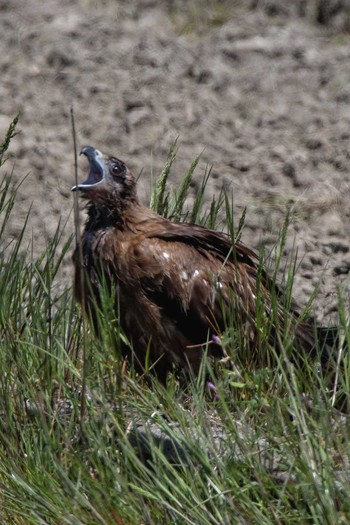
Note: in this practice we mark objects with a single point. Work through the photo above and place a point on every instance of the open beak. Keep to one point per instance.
(96, 173)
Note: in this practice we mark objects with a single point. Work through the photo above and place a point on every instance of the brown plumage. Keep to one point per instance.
(176, 285)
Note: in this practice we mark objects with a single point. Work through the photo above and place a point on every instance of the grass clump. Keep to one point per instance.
(269, 449)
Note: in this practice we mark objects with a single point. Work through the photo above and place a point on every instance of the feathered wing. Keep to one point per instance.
(192, 282)
(208, 283)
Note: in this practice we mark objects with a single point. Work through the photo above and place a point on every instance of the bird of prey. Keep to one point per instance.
(175, 286)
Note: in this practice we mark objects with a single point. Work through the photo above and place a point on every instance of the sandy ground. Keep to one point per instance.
(261, 89)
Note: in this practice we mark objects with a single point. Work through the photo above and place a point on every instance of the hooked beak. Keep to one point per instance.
(96, 173)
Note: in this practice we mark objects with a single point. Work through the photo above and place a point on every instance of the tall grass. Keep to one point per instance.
(269, 449)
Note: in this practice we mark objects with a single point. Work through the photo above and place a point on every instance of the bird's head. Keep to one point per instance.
(109, 181)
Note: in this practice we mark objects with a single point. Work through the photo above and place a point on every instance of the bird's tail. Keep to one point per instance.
(326, 340)
(321, 342)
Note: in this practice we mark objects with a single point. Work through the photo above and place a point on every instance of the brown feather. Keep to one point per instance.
(174, 283)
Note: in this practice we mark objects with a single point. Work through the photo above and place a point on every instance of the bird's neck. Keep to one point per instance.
(119, 217)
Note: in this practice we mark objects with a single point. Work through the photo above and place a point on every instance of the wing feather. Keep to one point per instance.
(193, 276)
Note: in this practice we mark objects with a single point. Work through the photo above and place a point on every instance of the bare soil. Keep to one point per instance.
(260, 89)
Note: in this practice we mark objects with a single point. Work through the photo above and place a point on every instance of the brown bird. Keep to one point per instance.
(176, 286)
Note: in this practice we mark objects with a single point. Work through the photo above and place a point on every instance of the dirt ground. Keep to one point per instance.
(261, 89)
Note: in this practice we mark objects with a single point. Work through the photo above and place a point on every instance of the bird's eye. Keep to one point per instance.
(116, 170)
